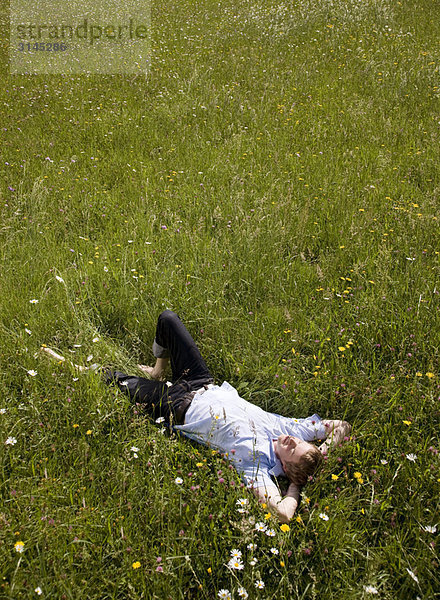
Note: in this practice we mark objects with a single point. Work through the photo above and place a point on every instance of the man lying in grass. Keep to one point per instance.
(260, 445)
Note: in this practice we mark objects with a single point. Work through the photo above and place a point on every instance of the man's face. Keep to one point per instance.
(289, 449)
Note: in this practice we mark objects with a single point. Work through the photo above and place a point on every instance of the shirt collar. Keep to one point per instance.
(277, 469)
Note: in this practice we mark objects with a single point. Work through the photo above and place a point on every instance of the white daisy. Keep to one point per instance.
(242, 502)
(236, 563)
(58, 278)
(34, 301)
(252, 546)
(323, 516)
(260, 526)
(253, 562)
(160, 420)
(178, 480)
(134, 449)
(28, 331)
(236, 553)
(32, 373)
(224, 595)
(369, 589)
(270, 532)
(11, 441)
(259, 584)
(38, 591)
(412, 457)
(275, 551)
(430, 528)
(242, 593)
(383, 461)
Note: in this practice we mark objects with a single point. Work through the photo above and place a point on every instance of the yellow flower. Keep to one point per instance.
(307, 500)
(360, 480)
(341, 348)
(284, 527)
(76, 425)
(419, 374)
(430, 375)
(136, 565)
(209, 570)
(357, 474)
(335, 477)
(281, 563)
(89, 432)
(19, 546)
(264, 505)
(298, 519)
(267, 516)
(199, 464)
(407, 422)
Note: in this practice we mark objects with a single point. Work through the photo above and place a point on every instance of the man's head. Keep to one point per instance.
(298, 458)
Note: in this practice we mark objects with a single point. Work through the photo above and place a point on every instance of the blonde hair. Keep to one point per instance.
(299, 472)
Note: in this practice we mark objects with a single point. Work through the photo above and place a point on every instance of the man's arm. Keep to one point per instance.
(283, 508)
(336, 431)
(158, 370)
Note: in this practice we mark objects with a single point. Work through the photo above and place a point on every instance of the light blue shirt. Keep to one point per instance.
(222, 420)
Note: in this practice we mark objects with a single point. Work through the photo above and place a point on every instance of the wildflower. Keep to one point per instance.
(284, 527)
(412, 457)
(160, 419)
(95, 339)
(159, 569)
(430, 528)
(136, 565)
(19, 546)
(383, 461)
(89, 432)
(341, 348)
(298, 519)
(235, 553)
(430, 375)
(34, 301)
(28, 331)
(407, 423)
(357, 474)
(252, 546)
(224, 595)
(58, 278)
(323, 516)
(253, 562)
(411, 574)
(242, 593)
(335, 477)
(11, 441)
(282, 564)
(259, 584)
(134, 449)
(267, 516)
(2, 411)
(369, 589)
(242, 502)
(38, 591)
(209, 570)
(199, 464)
(275, 551)
(236, 563)
(260, 526)
(178, 480)
(32, 373)
(75, 425)
(270, 532)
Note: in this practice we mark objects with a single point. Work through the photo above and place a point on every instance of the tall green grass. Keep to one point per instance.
(275, 181)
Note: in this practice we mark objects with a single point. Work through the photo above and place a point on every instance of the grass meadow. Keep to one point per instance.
(275, 181)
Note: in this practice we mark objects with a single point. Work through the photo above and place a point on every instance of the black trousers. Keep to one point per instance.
(189, 372)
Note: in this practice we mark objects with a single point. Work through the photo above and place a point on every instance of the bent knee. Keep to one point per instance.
(168, 315)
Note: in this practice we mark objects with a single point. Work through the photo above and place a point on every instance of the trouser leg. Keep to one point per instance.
(173, 340)
(153, 395)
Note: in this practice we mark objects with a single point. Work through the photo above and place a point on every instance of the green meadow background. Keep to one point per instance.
(275, 181)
